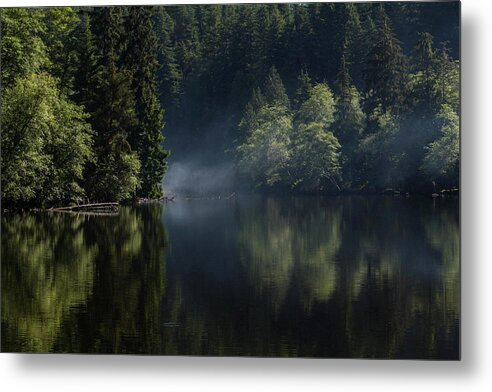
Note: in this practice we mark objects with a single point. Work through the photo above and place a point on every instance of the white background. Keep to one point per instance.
(473, 373)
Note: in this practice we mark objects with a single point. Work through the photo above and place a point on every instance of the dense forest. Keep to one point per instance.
(320, 97)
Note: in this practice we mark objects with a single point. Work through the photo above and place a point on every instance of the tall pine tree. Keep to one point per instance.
(169, 73)
(386, 74)
(114, 174)
(145, 136)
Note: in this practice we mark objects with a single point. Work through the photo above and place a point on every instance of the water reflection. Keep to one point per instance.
(47, 269)
(76, 283)
(364, 277)
(285, 239)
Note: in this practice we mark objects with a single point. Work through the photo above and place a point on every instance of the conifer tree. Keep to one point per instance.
(114, 174)
(349, 115)
(169, 74)
(274, 89)
(354, 47)
(385, 75)
(187, 36)
(447, 71)
(145, 136)
(300, 41)
(304, 88)
(424, 79)
(251, 112)
(349, 121)
(86, 64)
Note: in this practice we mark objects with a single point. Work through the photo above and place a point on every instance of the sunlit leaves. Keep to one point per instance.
(46, 142)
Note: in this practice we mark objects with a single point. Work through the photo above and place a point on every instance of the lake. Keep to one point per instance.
(342, 277)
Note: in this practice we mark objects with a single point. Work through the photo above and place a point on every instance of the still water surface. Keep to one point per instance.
(357, 277)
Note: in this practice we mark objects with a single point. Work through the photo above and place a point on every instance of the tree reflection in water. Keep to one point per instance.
(361, 277)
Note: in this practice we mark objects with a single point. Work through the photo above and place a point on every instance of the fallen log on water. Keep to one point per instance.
(159, 200)
(167, 198)
(90, 213)
(110, 206)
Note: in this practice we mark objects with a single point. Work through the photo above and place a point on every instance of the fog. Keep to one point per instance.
(192, 177)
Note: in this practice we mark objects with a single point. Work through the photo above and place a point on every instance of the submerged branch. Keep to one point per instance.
(113, 206)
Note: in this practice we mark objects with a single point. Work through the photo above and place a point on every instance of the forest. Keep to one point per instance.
(322, 98)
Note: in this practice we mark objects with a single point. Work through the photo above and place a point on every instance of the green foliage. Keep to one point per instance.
(380, 163)
(59, 37)
(350, 121)
(121, 65)
(23, 50)
(315, 160)
(281, 153)
(265, 154)
(423, 52)
(55, 55)
(114, 174)
(318, 108)
(274, 90)
(385, 74)
(251, 111)
(442, 155)
(169, 72)
(363, 50)
(315, 157)
(46, 143)
(84, 77)
(145, 137)
(448, 79)
(304, 88)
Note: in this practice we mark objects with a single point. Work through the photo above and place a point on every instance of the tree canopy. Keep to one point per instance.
(327, 97)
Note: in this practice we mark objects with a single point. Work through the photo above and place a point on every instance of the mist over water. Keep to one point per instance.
(191, 177)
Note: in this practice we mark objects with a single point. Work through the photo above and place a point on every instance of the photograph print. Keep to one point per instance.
(262, 180)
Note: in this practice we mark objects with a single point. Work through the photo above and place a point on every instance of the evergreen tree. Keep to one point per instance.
(210, 26)
(423, 79)
(354, 47)
(251, 112)
(187, 36)
(169, 74)
(386, 74)
(349, 116)
(116, 68)
(447, 71)
(326, 26)
(84, 77)
(300, 41)
(114, 174)
(424, 53)
(145, 137)
(304, 88)
(274, 89)
(59, 37)
(349, 121)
